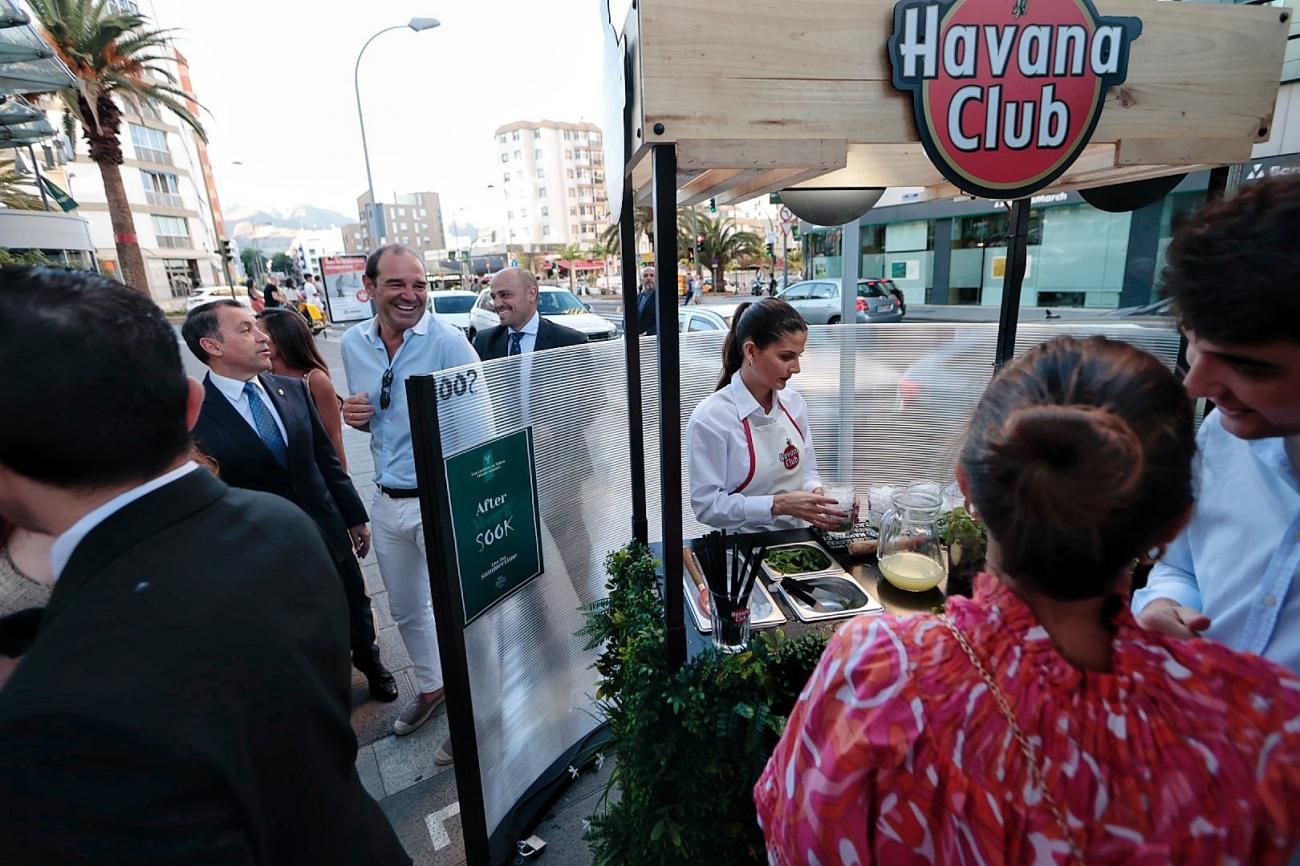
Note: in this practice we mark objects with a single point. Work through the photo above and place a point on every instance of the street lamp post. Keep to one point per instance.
(510, 231)
(416, 24)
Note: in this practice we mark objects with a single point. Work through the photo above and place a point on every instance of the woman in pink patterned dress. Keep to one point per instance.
(1036, 723)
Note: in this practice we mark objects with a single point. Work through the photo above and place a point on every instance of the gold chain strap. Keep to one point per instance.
(1035, 769)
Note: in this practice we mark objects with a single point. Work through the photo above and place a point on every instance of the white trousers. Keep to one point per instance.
(398, 536)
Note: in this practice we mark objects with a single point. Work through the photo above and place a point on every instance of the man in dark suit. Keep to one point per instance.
(522, 329)
(186, 698)
(265, 434)
(647, 317)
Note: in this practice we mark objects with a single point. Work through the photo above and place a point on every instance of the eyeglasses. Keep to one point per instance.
(386, 392)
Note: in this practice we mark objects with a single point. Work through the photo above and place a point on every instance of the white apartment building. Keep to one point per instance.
(553, 175)
(413, 219)
(308, 247)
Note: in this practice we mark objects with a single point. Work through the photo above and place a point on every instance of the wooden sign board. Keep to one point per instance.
(762, 95)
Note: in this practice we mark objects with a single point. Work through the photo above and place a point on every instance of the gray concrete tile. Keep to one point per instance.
(379, 604)
(372, 720)
(391, 648)
(406, 761)
(368, 770)
(409, 812)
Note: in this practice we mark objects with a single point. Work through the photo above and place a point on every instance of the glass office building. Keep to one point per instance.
(953, 251)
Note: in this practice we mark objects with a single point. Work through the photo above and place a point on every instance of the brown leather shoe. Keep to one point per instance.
(419, 711)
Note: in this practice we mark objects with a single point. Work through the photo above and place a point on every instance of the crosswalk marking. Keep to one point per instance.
(436, 824)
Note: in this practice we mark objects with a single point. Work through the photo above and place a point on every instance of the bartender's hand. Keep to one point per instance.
(1169, 617)
(809, 505)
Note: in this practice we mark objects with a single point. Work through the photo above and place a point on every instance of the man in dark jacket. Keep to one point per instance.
(647, 317)
(186, 698)
(265, 434)
(515, 296)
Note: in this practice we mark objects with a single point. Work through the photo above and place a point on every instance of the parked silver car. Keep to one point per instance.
(818, 301)
(691, 319)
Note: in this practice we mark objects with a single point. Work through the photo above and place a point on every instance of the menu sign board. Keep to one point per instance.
(494, 515)
(1006, 93)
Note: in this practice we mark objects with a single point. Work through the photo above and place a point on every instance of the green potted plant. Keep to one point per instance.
(690, 744)
(967, 541)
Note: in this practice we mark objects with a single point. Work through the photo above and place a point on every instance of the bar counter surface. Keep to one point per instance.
(863, 569)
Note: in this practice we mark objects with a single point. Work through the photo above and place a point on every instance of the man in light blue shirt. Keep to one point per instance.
(404, 340)
(1232, 575)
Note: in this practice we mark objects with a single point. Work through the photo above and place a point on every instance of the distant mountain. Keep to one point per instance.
(240, 221)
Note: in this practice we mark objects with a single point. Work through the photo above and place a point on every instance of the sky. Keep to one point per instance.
(276, 78)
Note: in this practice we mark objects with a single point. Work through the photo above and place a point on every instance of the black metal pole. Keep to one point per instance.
(664, 157)
(632, 354)
(1017, 256)
(440, 552)
(36, 170)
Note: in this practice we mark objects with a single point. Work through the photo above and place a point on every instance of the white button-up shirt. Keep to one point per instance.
(719, 461)
(1238, 560)
(233, 390)
(431, 346)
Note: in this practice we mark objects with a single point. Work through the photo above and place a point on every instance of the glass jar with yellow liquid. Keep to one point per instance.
(911, 553)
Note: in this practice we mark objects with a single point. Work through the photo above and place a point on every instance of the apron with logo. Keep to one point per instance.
(776, 461)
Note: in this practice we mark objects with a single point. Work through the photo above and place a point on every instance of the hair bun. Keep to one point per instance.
(1071, 465)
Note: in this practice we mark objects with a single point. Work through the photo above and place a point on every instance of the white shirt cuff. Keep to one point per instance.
(758, 509)
(1176, 591)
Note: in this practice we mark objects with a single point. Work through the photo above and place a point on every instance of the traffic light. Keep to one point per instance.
(794, 232)
(227, 252)
(713, 205)
(699, 239)
(771, 251)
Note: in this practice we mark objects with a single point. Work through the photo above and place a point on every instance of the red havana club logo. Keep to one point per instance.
(790, 456)
(1007, 92)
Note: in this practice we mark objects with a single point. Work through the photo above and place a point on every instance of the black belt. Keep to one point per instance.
(394, 493)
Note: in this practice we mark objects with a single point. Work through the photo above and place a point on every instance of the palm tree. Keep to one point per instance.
(644, 220)
(572, 253)
(720, 242)
(113, 56)
(12, 196)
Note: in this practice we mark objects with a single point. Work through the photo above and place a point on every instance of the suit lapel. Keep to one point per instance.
(218, 409)
(545, 336)
(138, 521)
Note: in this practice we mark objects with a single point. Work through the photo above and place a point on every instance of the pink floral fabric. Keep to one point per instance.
(1185, 752)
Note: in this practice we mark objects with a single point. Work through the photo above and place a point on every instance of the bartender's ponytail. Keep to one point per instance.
(760, 322)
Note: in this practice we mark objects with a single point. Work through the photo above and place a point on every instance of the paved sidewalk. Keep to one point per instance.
(418, 797)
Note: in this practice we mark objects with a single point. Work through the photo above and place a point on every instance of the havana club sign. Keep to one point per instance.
(1006, 93)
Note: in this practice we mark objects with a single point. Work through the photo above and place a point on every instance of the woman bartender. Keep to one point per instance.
(749, 446)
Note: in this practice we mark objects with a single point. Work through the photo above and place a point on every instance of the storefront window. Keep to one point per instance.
(1179, 207)
(182, 275)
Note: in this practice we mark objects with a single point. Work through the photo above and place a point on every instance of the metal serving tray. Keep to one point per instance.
(807, 613)
(775, 576)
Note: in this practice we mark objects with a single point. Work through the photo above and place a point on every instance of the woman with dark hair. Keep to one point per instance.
(254, 296)
(749, 445)
(1036, 722)
(294, 354)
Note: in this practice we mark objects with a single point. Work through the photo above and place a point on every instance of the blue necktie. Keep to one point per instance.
(266, 427)
(516, 337)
